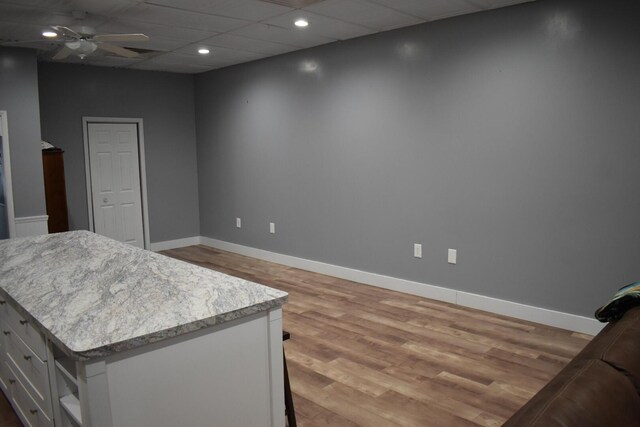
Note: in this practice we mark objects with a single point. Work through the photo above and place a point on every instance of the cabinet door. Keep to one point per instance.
(55, 190)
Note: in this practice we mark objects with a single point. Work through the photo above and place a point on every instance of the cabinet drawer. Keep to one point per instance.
(31, 336)
(4, 309)
(3, 327)
(28, 411)
(4, 378)
(31, 371)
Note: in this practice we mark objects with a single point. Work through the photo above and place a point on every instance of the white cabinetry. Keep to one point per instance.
(96, 333)
(24, 371)
(225, 375)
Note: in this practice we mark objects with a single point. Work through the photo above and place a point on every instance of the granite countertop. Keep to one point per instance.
(94, 296)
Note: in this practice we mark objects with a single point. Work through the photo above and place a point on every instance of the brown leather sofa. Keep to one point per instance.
(600, 387)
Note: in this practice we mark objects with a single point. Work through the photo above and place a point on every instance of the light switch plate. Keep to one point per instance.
(272, 227)
(453, 256)
(238, 223)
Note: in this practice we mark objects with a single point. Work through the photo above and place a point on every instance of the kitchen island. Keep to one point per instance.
(99, 333)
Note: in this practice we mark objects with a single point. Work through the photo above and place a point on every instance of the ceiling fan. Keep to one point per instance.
(83, 41)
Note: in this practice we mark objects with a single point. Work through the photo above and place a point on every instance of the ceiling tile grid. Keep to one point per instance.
(364, 13)
(241, 43)
(234, 31)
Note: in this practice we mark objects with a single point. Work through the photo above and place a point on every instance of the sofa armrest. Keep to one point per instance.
(587, 393)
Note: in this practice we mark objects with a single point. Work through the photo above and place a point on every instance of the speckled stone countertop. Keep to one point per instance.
(93, 296)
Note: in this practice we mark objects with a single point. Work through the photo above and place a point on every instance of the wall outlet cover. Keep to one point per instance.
(417, 250)
(453, 256)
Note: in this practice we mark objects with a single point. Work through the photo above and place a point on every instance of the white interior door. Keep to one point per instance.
(115, 181)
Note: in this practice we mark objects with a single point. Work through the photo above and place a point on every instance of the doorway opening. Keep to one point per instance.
(7, 213)
(116, 179)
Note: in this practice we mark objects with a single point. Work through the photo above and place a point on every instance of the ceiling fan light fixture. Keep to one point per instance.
(82, 47)
(49, 34)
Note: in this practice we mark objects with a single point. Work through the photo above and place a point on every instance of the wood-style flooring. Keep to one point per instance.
(364, 356)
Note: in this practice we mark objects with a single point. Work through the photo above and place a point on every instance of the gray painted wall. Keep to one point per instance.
(165, 102)
(510, 135)
(19, 97)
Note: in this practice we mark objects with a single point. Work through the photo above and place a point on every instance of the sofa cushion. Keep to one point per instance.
(587, 393)
(619, 345)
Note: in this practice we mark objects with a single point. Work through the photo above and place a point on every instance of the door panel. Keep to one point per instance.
(115, 181)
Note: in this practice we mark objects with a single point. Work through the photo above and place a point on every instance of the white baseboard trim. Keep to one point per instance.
(572, 322)
(543, 316)
(32, 225)
(172, 244)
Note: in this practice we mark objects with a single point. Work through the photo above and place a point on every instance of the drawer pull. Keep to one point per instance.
(33, 411)
(27, 357)
(24, 322)
(6, 332)
(12, 382)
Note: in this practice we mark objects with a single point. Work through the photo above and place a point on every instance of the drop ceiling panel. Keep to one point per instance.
(492, 4)
(16, 13)
(363, 13)
(14, 31)
(232, 41)
(320, 26)
(42, 17)
(173, 68)
(109, 61)
(221, 54)
(249, 10)
(96, 7)
(430, 9)
(157, 43)
(29, 3)
(180, 18)
(155, 31)
(235, 31)
(281, 35)
(175, 58)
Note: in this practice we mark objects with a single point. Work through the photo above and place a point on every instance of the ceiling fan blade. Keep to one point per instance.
(66, 31)
(127, 53)
(120, 38)
(62, 53)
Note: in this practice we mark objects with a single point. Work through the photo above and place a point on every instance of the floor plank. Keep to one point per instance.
(363, 356)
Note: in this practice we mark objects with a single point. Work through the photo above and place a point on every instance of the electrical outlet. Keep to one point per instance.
(417, 250)
(238, 223)
(453, 256)
(272, 227)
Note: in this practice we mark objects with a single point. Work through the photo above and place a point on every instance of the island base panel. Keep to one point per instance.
(227, 375)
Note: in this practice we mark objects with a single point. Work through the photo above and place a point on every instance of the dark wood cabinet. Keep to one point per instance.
(55, 190)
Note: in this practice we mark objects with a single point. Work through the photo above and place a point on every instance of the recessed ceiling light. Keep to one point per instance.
(301, 23)
(49, 34)
(203, 51)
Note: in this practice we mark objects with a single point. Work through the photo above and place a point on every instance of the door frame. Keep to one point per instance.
(6, 159)
(141, 159)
